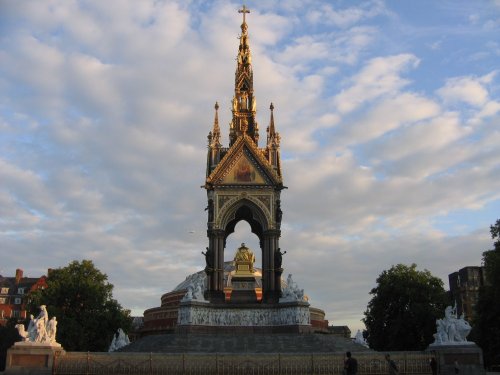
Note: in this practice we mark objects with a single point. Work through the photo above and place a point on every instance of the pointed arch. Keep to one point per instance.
(246, 209)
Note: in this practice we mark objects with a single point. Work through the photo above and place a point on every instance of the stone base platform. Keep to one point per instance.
(32, 358)
(468, 356)
(244, 343)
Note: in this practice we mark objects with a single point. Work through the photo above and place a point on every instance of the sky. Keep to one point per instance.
(389, 115)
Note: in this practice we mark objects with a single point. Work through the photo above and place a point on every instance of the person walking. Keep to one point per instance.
(350, 364)
(434, 366)
(393, 369)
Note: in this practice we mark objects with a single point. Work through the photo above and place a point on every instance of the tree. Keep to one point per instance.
(81, 299)
(8, 336)
(487, 322)
(403, 311)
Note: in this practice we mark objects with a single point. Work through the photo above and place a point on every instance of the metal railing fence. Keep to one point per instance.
(77, 363)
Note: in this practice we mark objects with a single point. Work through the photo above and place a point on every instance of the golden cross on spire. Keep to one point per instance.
(244, 10)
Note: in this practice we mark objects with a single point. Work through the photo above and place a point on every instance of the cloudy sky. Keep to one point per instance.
(389, 114)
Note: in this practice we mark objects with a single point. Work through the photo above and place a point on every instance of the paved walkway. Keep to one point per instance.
(243, 343)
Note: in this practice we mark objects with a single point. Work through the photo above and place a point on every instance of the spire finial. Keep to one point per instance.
(244, 10)
(215, 133)
(272, 131)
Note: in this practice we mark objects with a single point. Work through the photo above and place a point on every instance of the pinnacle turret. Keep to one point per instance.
(244, 103)
(273, 142)
(215, 140)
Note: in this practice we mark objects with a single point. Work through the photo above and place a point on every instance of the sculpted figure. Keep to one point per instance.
(210, 209)
(278, 258)
(359, 339)
(198, 293)
(451, 329)
(24, 334)
(51, 330)
(292, 292)
(41, 332)
(244, 100)
(43, 315)
(279, 213)
(244, 254)
(189, 294)
(120, 339)
(208, 258)
(32, 328)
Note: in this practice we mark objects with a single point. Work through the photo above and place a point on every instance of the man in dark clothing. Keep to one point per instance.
(350, 365)
(393, 369)
(434, 366)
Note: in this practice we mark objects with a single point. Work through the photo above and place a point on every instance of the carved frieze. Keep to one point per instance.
(205, 315)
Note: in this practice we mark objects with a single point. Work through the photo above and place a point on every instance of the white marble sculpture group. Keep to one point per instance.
(40, 330)
(451, 330)
(120, 339)
(195, 289)
(292, 292)
(359, 339)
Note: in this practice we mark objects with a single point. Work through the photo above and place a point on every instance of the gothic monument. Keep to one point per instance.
(244, 182)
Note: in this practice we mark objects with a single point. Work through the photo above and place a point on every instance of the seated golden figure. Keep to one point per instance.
(244, 260)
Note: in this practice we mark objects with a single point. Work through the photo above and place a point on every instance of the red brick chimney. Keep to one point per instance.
(19, 275)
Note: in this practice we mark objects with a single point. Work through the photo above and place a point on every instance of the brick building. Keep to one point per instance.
(14, 292)
(464, 289)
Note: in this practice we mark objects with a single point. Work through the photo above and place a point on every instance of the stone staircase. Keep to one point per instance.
(243, 343)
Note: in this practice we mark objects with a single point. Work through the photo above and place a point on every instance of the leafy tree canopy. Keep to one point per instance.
(81, 299)
(403, 310)
(486, 328)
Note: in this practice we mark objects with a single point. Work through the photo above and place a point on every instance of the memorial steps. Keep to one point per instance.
(243, 343)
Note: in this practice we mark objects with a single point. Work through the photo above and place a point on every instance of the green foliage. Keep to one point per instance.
(81, 298)
(487, 323)
(403, 310)
(8, 336)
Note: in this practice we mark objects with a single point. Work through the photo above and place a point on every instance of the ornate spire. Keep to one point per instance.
(273, 142)
(244, 103)
(273, 138)
(215, 139)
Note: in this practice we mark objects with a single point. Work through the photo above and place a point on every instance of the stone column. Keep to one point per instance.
(215, 274)
(271, 287)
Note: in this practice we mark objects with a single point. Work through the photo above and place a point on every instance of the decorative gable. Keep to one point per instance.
(244, 171)
(244, 164)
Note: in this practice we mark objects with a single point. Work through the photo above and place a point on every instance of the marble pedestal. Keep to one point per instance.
(32, 358)
(469, 357)
(243, 289)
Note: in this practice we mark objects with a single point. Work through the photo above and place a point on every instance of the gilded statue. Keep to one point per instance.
(245, 255)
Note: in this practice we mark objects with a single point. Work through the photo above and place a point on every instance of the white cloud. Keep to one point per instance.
(379, 77)
(343, 18)
(469, 90)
